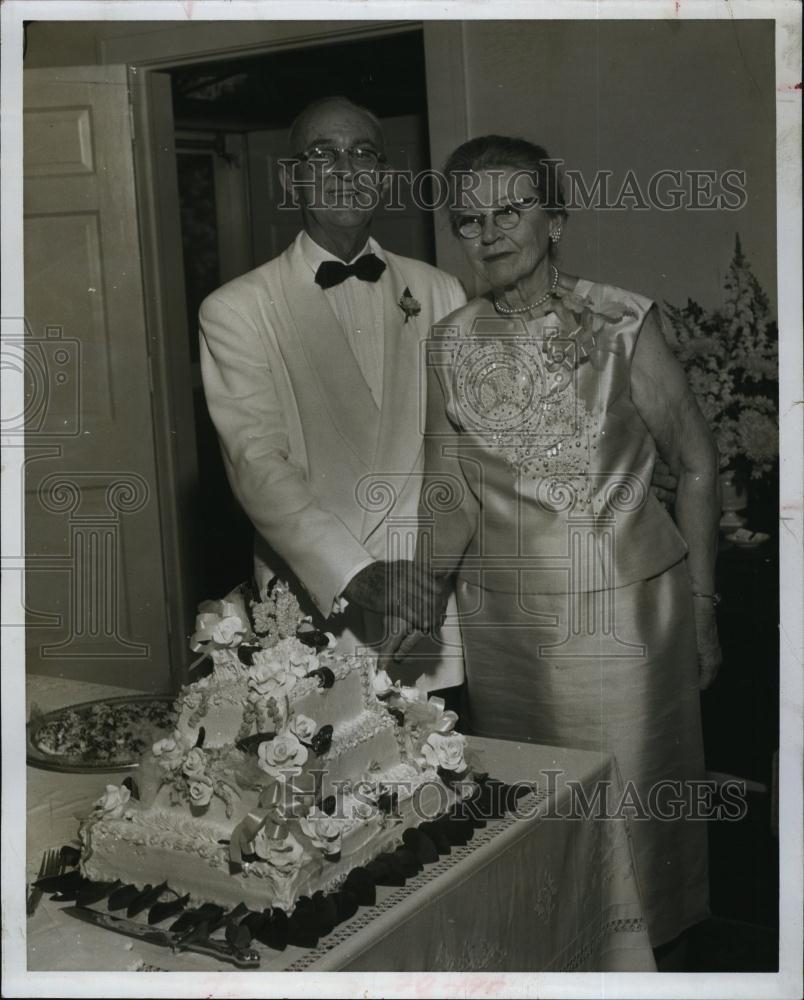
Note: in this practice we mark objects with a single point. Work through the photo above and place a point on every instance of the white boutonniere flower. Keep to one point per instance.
(409, 305)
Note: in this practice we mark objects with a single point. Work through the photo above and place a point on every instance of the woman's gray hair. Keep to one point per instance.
(488, 152)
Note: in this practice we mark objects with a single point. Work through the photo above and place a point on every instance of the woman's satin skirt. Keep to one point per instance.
(614, 671)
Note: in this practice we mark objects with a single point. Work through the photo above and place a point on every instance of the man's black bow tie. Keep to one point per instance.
(369, 267)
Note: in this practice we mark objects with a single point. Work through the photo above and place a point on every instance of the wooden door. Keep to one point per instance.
(95, 587)
(407, 230)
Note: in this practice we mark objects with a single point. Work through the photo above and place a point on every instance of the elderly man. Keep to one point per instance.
(311, 368)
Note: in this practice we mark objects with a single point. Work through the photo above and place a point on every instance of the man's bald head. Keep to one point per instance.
(314, 118)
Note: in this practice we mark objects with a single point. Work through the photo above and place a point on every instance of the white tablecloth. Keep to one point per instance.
(541, 892)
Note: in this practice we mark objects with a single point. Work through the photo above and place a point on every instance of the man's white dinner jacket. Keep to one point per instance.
(322, 472)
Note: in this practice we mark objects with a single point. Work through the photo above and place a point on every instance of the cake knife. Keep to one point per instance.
(244, 958)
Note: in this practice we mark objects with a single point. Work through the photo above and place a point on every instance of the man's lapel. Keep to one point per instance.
(339, 379)
(401, 422)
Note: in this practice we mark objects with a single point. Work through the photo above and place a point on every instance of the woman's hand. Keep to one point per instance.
(709, 653)
(664, 484)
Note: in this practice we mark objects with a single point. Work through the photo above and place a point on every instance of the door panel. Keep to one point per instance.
(272, 228)
(93, 538)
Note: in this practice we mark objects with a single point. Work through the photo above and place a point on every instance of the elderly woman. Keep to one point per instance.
(587, 614)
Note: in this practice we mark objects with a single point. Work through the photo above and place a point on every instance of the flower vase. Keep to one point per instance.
(733, 500)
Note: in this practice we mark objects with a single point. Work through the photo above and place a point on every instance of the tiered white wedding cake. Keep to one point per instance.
(288, 767)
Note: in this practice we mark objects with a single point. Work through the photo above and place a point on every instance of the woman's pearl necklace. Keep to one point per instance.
(514, 310)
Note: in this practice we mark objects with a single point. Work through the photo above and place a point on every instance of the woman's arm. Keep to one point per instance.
(448, 512)
(448, 509)
(665, 402)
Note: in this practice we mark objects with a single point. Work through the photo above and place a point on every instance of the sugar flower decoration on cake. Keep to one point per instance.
(282, 756)
(303, 727)
(445, 751)
(275, 672)
(427, 713)
(300, 658)
(356, 805)
(220, 624)
(324, 831)
(113, 802)
(169, 752)
(285, 854)
(409, 305)
(307, 630)
(200, 790)
(195, 696)
(194, 763)
(277, 617)
(193, 704)
(382, 684)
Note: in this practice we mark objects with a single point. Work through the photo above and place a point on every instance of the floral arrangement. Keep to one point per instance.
(731, 359)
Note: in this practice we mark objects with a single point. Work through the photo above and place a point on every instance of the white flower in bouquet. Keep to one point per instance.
(759, 436)
(282, 756)
(731, 360)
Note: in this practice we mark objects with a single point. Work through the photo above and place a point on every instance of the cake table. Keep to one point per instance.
(540, 891)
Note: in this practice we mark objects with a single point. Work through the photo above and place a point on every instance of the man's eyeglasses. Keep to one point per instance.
(325, 157)
(507, 217)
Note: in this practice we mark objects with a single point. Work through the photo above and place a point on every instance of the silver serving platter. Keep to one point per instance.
(36, 756)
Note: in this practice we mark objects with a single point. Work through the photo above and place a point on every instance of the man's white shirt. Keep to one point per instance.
(359, 308)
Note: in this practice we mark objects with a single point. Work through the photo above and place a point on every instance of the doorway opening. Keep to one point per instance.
(231, 120)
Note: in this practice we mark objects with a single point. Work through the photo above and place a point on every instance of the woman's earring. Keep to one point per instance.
(555, 235)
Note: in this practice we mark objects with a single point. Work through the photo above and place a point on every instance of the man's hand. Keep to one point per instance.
(400, 639)
(664, 484)
(401, 589)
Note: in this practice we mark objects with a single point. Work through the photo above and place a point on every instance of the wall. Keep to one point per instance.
(72, 43)
(644, 96)
(614, 95)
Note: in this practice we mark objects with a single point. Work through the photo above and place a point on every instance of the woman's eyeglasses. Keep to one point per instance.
(325, 157)
(507, 217)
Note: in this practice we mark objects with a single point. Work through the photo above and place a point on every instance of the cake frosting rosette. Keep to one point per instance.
(283, 755)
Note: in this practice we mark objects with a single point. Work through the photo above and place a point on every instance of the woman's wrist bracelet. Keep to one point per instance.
(714, 598)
